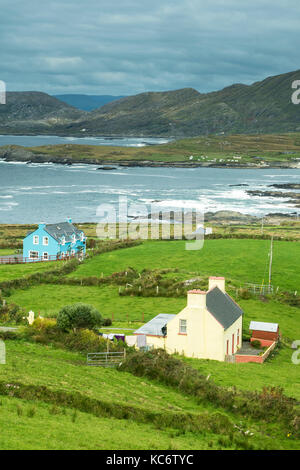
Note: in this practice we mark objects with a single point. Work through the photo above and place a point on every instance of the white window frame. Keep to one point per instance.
(74, 238)
(72, 252)
(36, 239)
(63, 240)
(33, 257)
(183, 326)
(82, 236)
(47, 256)
(45, 241)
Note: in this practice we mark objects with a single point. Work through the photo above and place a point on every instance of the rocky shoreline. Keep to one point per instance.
(14, 153)
(220, 217)
(293, 198)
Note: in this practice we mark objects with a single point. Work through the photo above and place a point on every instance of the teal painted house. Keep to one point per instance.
(54, 241)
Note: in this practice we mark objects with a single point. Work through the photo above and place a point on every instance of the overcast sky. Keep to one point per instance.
(123, 47)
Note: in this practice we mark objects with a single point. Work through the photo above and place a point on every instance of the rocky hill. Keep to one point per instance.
(31, 112)
(263, 107)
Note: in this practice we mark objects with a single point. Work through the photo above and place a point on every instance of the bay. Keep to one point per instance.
(37, 140)
(31, 193)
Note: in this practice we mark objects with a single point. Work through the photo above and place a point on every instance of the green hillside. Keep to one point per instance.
(260, 108)
(50, 399)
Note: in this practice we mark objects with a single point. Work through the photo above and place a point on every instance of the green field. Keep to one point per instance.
(48, 300)
(241, 260)
(31, 424)
(205, 149)
(16, 271)
(38, 423)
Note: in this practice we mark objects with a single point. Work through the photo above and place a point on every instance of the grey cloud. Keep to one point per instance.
(129, 46)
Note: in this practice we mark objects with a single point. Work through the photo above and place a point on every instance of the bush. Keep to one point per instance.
(256, 344)
(78, 315)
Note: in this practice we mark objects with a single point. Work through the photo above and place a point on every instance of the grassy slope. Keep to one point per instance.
(64, 430)
(65, 371)
(16, 271)
(48, 299)
(62, 370)
(241, 260)
(278, 371)
(35, 364)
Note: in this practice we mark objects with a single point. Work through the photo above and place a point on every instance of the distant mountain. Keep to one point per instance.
(263, 107)
(87, 102)
(32, 112)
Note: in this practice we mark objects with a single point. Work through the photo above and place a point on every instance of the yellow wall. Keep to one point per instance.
(156, 341)
(205, 338)
(228, 336)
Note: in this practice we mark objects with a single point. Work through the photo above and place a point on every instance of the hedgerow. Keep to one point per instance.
(270, 404)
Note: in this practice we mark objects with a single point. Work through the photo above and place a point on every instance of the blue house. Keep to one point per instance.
(54, 241)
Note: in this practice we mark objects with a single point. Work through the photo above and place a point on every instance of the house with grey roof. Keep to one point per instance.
(209, 327)
(54, 241)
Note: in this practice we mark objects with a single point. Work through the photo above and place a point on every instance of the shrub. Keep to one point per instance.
(78, 315)
(256, 344)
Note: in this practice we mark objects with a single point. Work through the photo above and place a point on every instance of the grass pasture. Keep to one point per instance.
(49, 299)
(55, 428)
(16, 271)
(35, 423)
(238, 259)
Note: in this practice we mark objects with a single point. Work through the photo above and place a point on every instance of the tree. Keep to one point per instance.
(78, 315)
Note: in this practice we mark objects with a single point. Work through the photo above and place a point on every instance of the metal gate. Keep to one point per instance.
(105, 359)
(260, 289)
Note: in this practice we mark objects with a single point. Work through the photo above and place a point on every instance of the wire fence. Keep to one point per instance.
(18, 259)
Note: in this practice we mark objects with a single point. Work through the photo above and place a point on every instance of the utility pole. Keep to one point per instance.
(271, 260)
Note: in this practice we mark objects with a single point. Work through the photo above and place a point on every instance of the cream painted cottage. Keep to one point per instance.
(209, 327)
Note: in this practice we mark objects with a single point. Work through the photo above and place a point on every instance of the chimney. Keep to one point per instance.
(196, 298)
(217, 282)
(69, 220)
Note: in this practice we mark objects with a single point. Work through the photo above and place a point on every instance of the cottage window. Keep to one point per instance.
(46, 241)
(36, 240)
(82, 236)
(63, 240)
(45, 256)
(33, 254)
(73, 238)
(238, 337)
(182, 326)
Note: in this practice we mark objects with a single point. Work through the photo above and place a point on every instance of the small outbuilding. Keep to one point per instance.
(264, 332)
